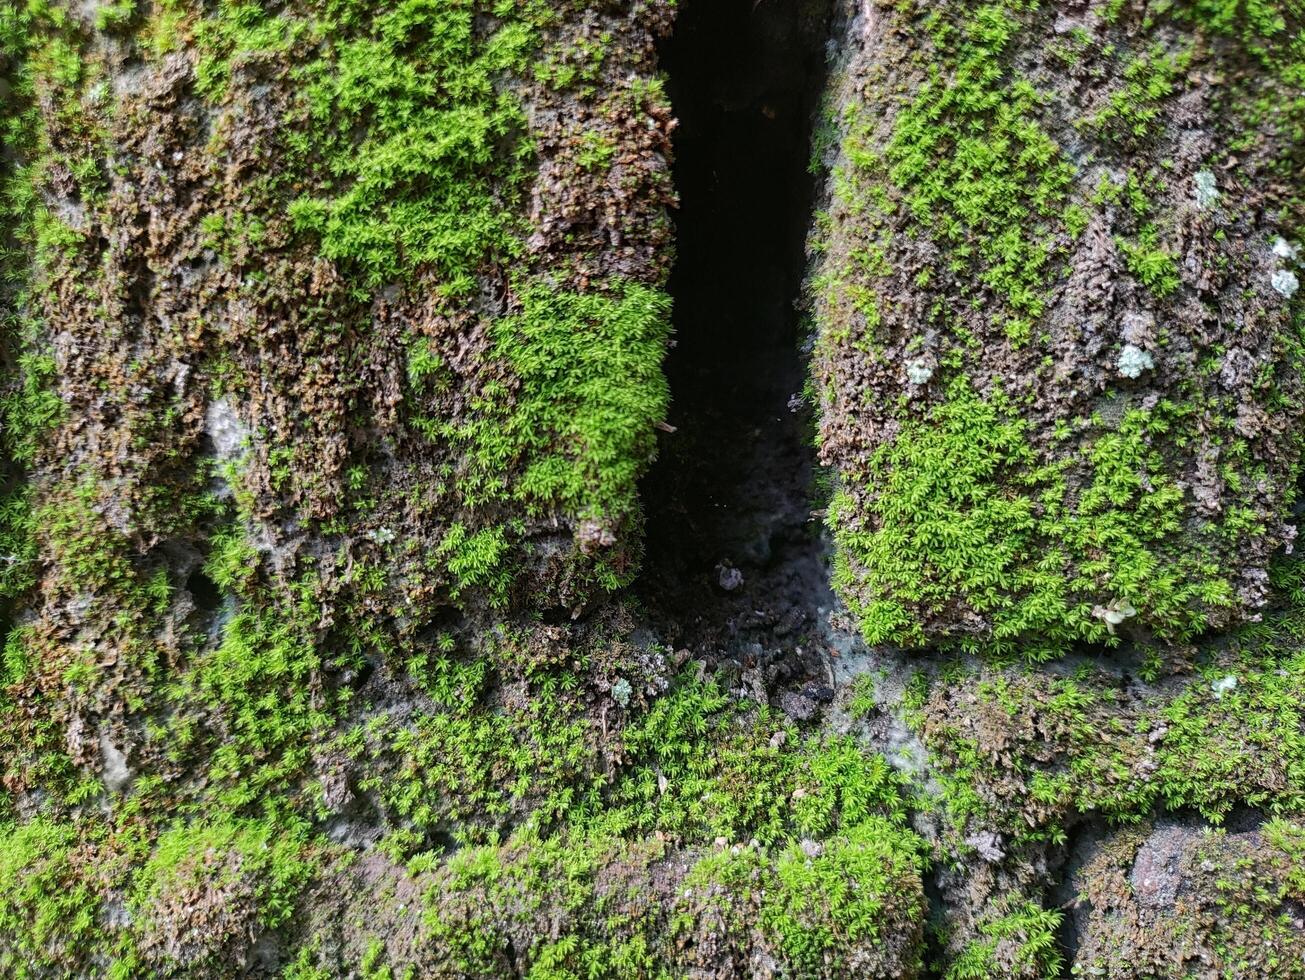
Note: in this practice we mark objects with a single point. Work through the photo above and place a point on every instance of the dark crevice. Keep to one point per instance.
(205, 592)
(731, 539)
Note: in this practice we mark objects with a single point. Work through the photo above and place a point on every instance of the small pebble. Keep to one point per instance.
(729, 577)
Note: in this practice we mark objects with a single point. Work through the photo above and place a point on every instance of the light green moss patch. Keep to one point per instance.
(1019, 943)
(821, 908)
(48, 910)
(964, 510)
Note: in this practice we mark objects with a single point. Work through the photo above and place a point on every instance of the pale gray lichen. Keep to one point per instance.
(382, 535)
(1223, 685)
(621, 692)
(1115, 613)
(1207, 191)
(1284, 249)
(918, 371)
(1133, 361)
(1285, 282)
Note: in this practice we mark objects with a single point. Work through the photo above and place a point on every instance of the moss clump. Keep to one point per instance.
(576, 422)
(1227, 735)
(552, 909)
(852, 904)
(964, 511)
(433, 180)
(1232, 916)
(972, 163)
(1244, 745)
(210, 887)
(700, 769)
(1019, 943)
(48, 909)
(1002, 482)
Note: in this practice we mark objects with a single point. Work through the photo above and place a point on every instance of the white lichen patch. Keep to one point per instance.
(1223, 685)
(1133, 361)
(229, 435)
(918, 371)
(621, 692)
(1284, 281)
(1207, 191)
(1114, 613)
(1284, 249)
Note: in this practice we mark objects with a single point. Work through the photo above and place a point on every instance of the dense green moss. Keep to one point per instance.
(1020, 942)
(434, 180)
(48, 905)
(1229, 735)
(964, 510)
(974, 166)
(246, 875)
(989, 491)
(824, 910)
(27, 405)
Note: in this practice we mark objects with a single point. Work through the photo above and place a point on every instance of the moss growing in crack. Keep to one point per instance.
(1227, 735)
(1019, 943)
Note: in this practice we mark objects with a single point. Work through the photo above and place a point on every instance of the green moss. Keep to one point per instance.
(431, 181)
(263, 863)
(589, 390)
(28, 406)
(1229, 735)
(560, 908)
(1154, 267)
(239, 28)
(861, 889)
(976, 171)
(465, 766)
(407, 158)
(1242, 746)
(1247, 886)
(1149, 80)
(48, 909)
(964, 509)
(700, 772)
(115, 16)
(1019, 943)
(477, 560)
(258, 682)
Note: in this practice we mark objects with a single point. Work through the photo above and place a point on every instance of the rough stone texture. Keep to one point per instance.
(1188, 900)
(1055, 377)
(332, 345)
